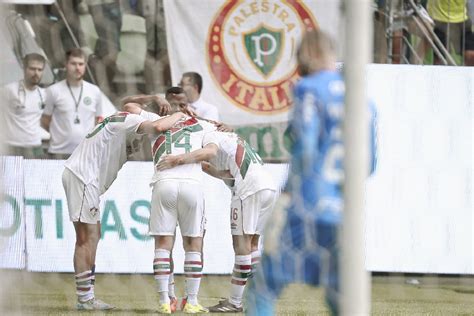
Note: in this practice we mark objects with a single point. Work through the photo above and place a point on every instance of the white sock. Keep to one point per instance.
(161, 270)
(171, 292)
(255, 260)
(193, 274)
(84, 290)
(242, 271)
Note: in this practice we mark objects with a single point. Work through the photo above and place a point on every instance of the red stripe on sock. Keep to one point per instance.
(193, 262)
(161, 273)
(162, 260)
(238, 282)
(84, 289)
(243, 266)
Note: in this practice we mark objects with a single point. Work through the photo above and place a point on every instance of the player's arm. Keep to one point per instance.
(224, 175)
(204, 154)
(142, 100)
(45, 121)
(161, 125)
(132, 107)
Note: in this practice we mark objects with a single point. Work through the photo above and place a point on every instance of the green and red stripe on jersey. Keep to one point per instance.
(164, 141)
(244, 156)
(117, 117)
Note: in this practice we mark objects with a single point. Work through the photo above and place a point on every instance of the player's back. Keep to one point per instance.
(243, 162)
(184, 137)
(317, 150)
(99, 157)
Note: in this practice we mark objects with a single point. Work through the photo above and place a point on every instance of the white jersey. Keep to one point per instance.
(22, 113)
(185, 136)
(245, 165)
(68, 126)
(101, 155)
(205, 110)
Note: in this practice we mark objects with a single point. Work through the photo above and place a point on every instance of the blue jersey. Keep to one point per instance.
(317, 151)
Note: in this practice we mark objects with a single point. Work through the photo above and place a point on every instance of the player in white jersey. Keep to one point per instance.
(89, 172)
(253, 197)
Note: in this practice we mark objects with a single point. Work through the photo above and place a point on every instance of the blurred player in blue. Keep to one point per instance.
(301, 244)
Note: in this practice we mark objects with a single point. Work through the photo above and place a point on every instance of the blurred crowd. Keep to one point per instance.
(107, 49)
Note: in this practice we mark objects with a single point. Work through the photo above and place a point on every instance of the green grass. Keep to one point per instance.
(25, 293)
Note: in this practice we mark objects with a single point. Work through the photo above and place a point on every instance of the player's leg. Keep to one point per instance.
(327, 224)
(277, 267)
(171, 284)
(265, 205)
(83, 202)
(191, 223)
(163, 219)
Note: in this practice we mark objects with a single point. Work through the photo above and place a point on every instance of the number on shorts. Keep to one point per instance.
(235, 214)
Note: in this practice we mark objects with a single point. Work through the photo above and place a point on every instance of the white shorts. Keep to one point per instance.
(82, 200)
(250, 215)
(174, 202)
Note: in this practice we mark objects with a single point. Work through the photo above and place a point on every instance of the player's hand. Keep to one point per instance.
(221, 127)
(163, 105)
(167, 162)
(189, 111)
(274, 228)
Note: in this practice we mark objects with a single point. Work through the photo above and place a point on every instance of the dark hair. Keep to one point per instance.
(75, 52)
(195, 79)
(173, 90)
(33, 56)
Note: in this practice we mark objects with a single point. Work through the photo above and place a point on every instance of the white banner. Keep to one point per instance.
(125, 246)
(420, 200)
(12, 223)
(244, 50)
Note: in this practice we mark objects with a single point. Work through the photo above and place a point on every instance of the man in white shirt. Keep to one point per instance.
(89, 172)
(191, 82)
(24, 101)
(73, 107)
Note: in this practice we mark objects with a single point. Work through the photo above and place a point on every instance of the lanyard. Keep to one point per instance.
(22, 89)
(76, 102)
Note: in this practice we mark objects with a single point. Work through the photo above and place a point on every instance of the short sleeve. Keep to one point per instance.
(210, 138)
(49, 102)
(132, 122)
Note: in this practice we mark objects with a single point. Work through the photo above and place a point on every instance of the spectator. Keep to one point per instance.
(191, 82)
(73, 107)
(107, 18)
(450, 18)
(23, 105)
